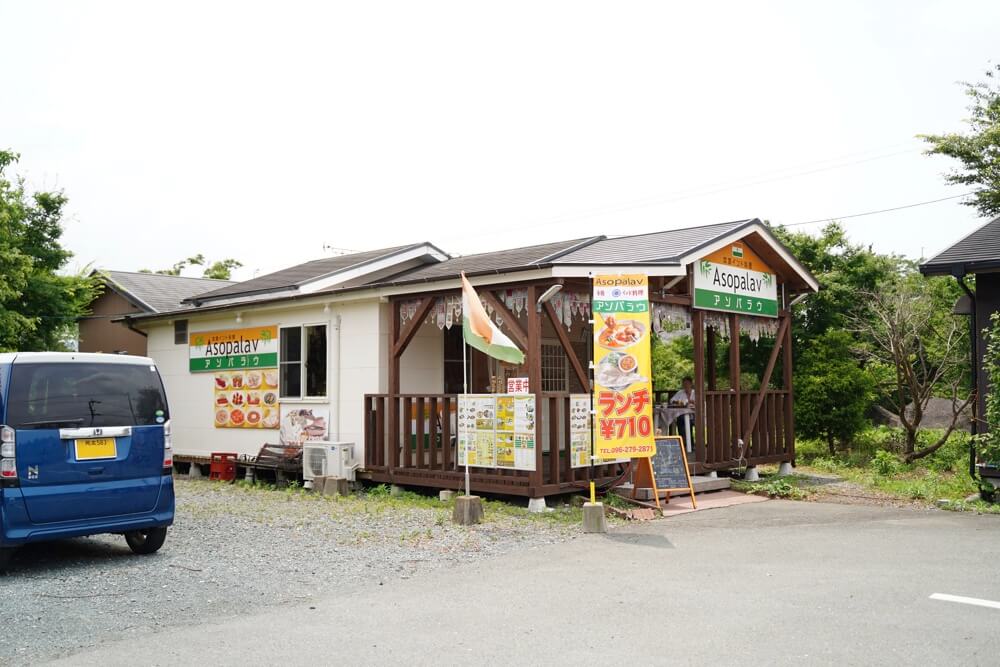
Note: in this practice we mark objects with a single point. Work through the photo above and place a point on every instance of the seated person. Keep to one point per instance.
(685, 397)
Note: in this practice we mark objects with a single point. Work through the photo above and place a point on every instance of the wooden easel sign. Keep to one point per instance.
(667, 470)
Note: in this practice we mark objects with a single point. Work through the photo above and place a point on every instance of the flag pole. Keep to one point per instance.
(465, 390)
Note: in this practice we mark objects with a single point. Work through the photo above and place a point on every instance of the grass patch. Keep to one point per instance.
(791, 487)
(379, 499)
(873, 461)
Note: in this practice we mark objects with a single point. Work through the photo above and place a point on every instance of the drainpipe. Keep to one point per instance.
(974, 373)
(335, 376)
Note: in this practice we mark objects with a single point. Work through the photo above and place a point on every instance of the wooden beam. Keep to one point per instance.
(712, 359)
(567, 346)
(734, 375)
(534, 359)
(766, 379)
(392, 438)
(698, 332)
(407, 334)
(786, 368)
(509, 319)
(675, 299)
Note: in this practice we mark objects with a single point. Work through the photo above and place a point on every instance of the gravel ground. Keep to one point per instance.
(233, 549)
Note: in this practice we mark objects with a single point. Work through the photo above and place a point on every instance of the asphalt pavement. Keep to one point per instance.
(773, 583)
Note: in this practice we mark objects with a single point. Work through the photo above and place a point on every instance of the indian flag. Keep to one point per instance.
(481, 333)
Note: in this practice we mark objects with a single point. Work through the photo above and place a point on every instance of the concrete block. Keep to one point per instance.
(593, 518)
(785, 468)
(751, 475)
(248, 475)
(316, 484)
(335, 486)
(536, 505)
(395, 490)
(194, 472)
(468, 510)
(713, 474)
(446, 495)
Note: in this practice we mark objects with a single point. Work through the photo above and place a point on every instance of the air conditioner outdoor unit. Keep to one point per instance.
(328, 459)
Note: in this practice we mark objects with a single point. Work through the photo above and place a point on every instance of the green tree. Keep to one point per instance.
(39, 306)
(843, 269)
(988, 443)
(219, 270)
(832, 393)
(978, 149)
(671, 362)
(222, 269)
(916, 349)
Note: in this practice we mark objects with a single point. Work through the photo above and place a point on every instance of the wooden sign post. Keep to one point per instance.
(666, 471)
(645, 476)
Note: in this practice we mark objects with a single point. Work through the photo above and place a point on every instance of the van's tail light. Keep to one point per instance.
(8, 449)
(168, 447)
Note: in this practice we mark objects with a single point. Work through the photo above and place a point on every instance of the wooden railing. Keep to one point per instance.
(771, 439)
(423, 451)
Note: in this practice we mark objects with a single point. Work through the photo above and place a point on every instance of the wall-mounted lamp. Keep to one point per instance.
(239, 318)
(546, 296)
(326, 308)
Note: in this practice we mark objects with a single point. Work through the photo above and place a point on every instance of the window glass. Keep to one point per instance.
(180, 332)
(290, 382)
(316, 360)
(89, 394)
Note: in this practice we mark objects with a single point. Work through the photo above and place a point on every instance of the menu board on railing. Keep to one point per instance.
(496, 431)
(580, 430)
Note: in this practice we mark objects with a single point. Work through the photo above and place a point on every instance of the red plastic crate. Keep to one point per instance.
(223, 466)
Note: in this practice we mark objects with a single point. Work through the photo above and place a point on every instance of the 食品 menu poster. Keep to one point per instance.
(496, 431)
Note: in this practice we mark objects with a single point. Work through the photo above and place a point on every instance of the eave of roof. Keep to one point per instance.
(292, 287)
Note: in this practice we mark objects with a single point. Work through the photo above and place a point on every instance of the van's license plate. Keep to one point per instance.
(89, 449)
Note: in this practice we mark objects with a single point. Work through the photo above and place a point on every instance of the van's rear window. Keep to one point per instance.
(84, 394)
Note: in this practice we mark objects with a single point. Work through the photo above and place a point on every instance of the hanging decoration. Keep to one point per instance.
(717, 321)
(756, 328)
(447, 310)
(671, 321)
(753, 328)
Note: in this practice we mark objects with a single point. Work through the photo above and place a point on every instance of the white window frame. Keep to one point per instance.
(302, 362)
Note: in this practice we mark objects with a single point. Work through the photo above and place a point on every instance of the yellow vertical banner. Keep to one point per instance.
(623, 393)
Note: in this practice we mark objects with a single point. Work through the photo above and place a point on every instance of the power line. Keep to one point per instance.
(703, 191)
(883, 210)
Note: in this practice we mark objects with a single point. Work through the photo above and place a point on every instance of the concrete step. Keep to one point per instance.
(701, 484)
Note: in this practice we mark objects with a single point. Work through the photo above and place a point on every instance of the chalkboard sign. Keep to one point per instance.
(670, 464)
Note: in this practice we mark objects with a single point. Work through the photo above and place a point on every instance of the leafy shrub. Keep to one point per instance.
(379, 491)
(832, 392)
(885, 464)
(988, 444)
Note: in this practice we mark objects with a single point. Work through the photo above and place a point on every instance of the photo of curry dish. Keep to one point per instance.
(620, 334)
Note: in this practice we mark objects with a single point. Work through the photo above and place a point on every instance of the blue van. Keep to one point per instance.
(84, 449)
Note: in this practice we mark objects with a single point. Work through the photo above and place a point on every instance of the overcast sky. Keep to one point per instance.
(267, 131)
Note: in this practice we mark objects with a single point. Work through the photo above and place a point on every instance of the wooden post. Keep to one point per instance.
(786, 363)
(567, 346)
(698, 332)
(712, 359)
(766, 379)
(734, 376)
(534, 359)
(393, 435)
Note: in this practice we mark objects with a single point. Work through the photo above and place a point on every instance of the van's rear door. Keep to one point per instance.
(89, 438)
